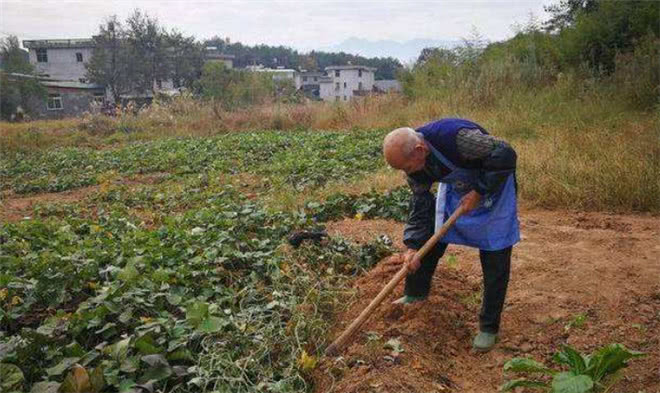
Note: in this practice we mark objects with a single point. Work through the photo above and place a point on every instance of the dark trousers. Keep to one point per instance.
(496, 268)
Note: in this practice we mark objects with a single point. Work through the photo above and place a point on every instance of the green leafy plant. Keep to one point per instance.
(596, 372)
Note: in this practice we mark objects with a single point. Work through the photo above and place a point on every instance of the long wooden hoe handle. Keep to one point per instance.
(334, 348)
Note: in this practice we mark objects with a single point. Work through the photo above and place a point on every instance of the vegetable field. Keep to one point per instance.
(171, 273)
(165, 266)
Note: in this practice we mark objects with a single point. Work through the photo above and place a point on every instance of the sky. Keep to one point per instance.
(302, 25)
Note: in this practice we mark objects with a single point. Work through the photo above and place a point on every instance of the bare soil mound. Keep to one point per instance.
(585, 279)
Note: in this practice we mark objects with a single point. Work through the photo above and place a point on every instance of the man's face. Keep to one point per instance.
(415, 162)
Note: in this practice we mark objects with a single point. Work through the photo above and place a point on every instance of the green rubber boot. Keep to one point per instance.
(407, 299)
(484, 342)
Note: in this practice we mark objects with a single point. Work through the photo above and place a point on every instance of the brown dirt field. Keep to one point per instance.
(601, 266)
(14, 207)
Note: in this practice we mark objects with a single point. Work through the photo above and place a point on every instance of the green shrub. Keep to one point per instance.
(586, 373)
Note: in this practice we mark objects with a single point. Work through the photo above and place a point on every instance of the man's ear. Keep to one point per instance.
(420, 147)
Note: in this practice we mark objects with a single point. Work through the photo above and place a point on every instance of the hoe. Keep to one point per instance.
(342, 340)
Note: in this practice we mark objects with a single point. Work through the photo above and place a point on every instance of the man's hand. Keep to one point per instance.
(406, 258)
(411, 262)
(470, 200)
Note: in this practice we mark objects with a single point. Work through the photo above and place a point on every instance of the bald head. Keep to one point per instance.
(399, 146)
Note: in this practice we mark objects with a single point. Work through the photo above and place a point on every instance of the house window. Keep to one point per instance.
(336, 72)
(337, 86)
(99, 98)
(359, 73)
(42, 55)
(79, 58)
(344, 98)
(344, 85)
(359, 85)
(304, 79)
(316, 79)
(54, 102)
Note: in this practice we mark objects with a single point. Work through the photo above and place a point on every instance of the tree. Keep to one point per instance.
(17, 91)
(611, 28)
(564, 14)
(308, 63)
(439, 55)
(187, 59)
(131, 57)
(147, 40)
(14, 59)
(274, 56)
(112, 61)
(236, 88)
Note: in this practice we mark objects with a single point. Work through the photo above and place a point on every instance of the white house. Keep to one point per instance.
(279, 73)
(60, 59)
(346, 82)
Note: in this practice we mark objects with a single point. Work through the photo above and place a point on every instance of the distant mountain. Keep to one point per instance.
(404, 51)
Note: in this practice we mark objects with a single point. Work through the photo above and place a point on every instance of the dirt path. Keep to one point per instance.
(14, 207)
(586, 279)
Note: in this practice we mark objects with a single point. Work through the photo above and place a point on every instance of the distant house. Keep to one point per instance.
(387, 86)
(60, 65)
(64, 99)
(309, 82)
(60, 59)
(212, 54)
(279, 73)
(346, 82)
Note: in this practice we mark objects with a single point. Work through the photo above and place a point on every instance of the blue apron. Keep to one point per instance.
(492, 225)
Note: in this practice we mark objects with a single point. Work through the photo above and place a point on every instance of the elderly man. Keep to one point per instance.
(477, 171)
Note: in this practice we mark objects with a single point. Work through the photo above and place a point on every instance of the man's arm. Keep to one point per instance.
(495, 158)
(420, 225)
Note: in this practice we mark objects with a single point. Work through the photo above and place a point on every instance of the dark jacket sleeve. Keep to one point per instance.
(420, 225)
(494, 158)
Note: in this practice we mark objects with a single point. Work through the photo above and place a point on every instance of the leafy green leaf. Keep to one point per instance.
(522, 382)
(96, 379)
(571, 358)
(45, 387)
(568, 382)
(129, 272)
(11, 378)
(174, 300)
(212, 325)
(62, 366)
(126, 316)
(197, 312)
(126, 386)
(130, 365)
(159, 368)
(180, 354)
(525, 365)
(609, 360)
(147, 345)
(119, 350)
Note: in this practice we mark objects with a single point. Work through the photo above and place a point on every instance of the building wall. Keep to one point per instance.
(344, 84)
(62, 63)
(326, 91)
(312, 78)
(229, 63)
(74, 103)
